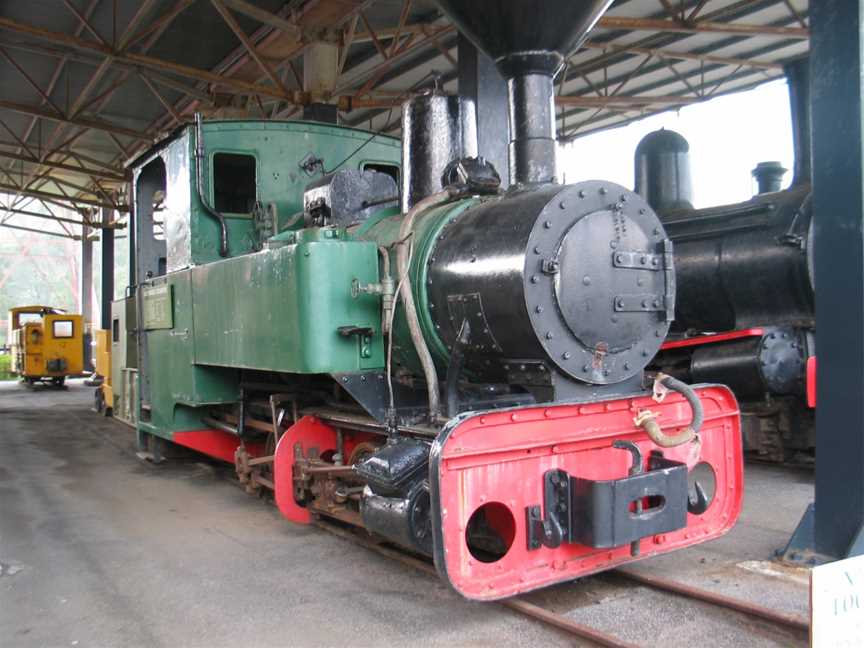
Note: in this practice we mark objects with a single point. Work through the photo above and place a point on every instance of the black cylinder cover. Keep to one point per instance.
(773, 363)
(578, 277)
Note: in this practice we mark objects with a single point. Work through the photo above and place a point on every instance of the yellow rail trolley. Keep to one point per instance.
(47, 344)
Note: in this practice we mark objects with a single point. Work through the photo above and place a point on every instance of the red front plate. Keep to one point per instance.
(498, 460)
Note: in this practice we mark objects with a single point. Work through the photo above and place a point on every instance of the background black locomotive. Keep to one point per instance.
(744, 314)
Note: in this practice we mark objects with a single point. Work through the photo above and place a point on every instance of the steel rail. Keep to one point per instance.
(792, 621)
(561, 622)
(558, 621)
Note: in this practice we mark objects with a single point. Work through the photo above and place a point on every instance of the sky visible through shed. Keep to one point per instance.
(728, 136)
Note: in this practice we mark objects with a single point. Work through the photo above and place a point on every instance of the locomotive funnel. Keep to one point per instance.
(528, 41)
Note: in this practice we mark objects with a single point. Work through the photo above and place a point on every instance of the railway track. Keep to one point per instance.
(787, 622)
(790, 623)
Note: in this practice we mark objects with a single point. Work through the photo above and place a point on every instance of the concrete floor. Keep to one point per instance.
(100, 549)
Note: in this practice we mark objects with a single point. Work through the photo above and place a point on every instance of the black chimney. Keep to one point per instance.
(528, 40)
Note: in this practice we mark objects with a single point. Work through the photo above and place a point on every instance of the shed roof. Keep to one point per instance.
(89, 84)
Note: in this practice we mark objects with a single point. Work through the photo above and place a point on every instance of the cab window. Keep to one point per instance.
(234, 183)
(62, 328)
(29, 318)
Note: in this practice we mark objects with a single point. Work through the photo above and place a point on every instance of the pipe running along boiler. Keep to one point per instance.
(463, 375)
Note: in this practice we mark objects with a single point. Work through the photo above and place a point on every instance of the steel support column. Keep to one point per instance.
(832, 528)
(798, 78)
(86, 292)
(106, 289)
(480, 81)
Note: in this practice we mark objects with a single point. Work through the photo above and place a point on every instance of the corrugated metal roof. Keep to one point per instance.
(88, 84)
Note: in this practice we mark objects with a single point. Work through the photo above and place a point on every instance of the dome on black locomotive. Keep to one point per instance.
(662, 141)
(662, 171)
(578, 277)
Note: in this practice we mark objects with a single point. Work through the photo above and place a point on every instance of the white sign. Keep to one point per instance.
(837, 604)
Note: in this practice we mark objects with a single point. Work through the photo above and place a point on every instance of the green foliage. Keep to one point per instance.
(39, 269)
(5, 366)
